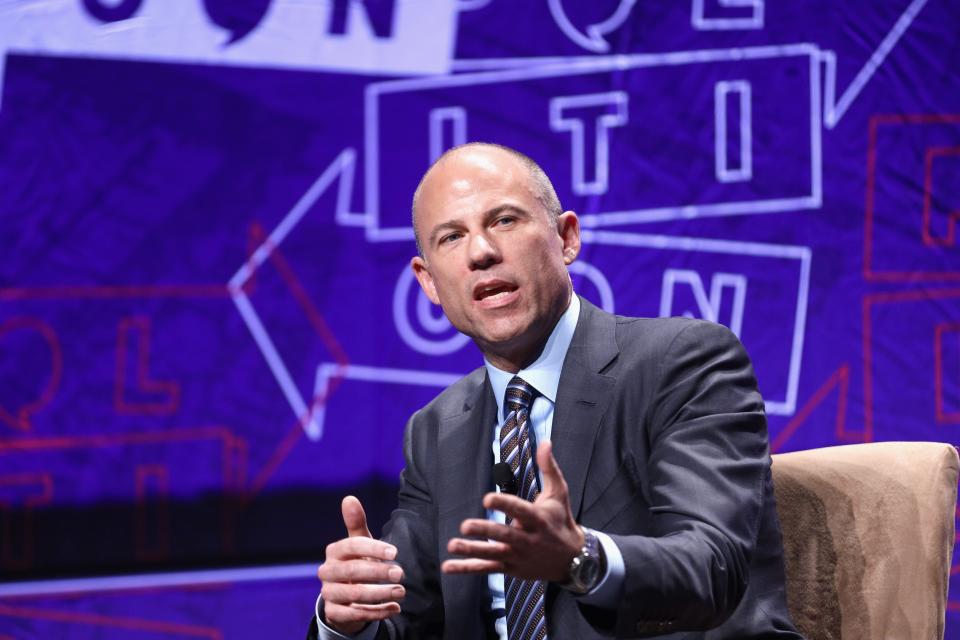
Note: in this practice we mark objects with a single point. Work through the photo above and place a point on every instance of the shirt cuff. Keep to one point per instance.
(326, 633)
(606, 594)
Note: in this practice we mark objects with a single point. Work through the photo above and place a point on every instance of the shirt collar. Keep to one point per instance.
(544, 374)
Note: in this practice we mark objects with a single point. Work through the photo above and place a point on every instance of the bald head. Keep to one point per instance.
(539, 182)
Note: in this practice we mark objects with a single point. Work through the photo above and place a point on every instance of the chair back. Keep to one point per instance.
(868, 534)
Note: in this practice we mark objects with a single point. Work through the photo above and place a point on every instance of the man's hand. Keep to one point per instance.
(540, 542)
(360, 584)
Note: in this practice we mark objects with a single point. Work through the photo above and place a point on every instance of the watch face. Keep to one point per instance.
(589, 572)
(585, 568)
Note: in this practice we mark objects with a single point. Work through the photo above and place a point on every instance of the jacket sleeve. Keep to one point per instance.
(706, 464)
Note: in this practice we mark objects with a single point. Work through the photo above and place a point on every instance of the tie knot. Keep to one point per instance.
(519, 394)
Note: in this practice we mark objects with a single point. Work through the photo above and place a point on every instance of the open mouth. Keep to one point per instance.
(493, 290)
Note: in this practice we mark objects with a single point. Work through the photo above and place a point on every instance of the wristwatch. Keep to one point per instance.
(587, 567)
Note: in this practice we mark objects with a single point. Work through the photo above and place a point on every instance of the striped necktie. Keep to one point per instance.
(524, 598)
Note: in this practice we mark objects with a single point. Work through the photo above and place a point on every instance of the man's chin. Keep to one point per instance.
(512, 344)
(505, 331)
(497, 341)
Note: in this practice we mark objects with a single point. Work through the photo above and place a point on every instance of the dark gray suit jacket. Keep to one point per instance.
(661, 435)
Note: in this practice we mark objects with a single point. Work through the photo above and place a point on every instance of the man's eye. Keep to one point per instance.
(449, 238)
(505, 220)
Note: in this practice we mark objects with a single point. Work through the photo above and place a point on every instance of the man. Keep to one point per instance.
(649, 433)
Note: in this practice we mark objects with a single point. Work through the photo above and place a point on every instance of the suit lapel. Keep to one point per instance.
(583, 397)
(466, 462)
(466, 458)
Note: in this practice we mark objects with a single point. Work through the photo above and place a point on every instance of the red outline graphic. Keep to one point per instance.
(839, 379)
(896, 276)
(158, 499)
(22, 418)
(943, 417)
(240, 457)
(955, 568)
(953, 605)
(112, 440)
(45, 496)
(113, 292)
(928, 238)
(170, 389)
(868, 303)
(132, 624)
(231, 446)
(255, 236)
(235, 476)
(319, 325)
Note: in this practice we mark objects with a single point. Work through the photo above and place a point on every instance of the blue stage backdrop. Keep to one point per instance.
(208, 328)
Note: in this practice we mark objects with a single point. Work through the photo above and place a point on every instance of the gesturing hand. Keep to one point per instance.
(540, 542)
(360, 584)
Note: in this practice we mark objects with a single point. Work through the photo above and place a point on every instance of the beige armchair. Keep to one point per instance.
(868, 538)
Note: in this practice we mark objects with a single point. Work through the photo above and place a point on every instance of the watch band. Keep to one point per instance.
(588, 567)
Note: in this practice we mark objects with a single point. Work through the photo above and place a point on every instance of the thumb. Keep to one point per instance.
(553, 481)
(354, 518)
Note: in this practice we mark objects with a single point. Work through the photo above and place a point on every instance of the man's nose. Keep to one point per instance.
(483, 252)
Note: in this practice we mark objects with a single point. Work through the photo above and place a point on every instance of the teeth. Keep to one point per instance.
(487, 295)
(494, 292)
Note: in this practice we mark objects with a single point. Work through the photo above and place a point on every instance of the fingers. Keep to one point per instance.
(375, 594)
(553, 482)
(359, 590)
(483, 556)
(476, 528)
(539, 541)
(471, 565)
(358, 547)
(360, 584)
(339, 614)
(517, 508)
(359, 571)
(354, 518)
(483, 549)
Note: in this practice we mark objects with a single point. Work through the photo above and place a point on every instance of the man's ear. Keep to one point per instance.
(568, 226)
(422, 273)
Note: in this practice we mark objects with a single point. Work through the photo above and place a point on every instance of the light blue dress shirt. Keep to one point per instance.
(544, 376)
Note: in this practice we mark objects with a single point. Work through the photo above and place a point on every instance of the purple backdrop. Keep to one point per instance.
(208, 328)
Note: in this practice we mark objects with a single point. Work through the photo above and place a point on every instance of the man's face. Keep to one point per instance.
(494, 259)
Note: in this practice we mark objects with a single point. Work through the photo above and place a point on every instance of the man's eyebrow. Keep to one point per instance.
(493, 213)
(488, 215)
(443, 226)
